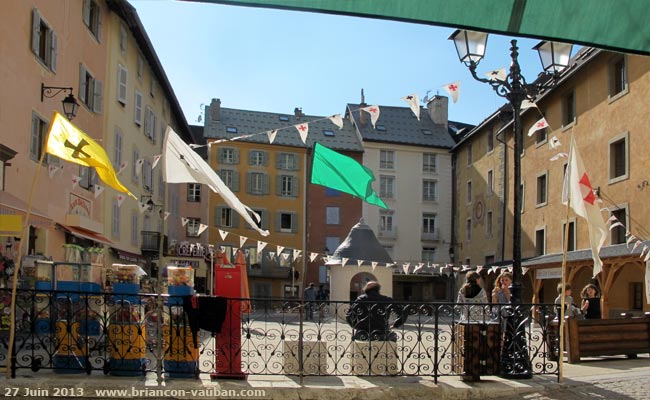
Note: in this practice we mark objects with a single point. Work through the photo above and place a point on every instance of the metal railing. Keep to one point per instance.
(70, 332)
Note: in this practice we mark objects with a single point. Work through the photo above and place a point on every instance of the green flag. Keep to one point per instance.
(337, 171)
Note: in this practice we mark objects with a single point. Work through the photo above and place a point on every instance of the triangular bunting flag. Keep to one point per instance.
(359, 263)
(453, 89)
(405, 268)
(337, 120)
(374, 113)
(541, 124)
(155, 161)
(202, 228)
(414, 103)
(554, 143)
(271, 135)
(75, 181)
(344, 261)
(285, 256)
(97, 189)
(120, 199)
(303, 129)
(527, 104)
(272, 254)
(374, 265)
(497, 74)
(558, 156)
(51, 170)
(637, 244)
(142, 207)
(615, 224)
(312, 256)
(223, 234)
(123, 165)
(138, 166)
(260, 246)
(418, 267)
(242, 240)
(524, 270)
(296, 254)
(184, 221)
(280, 249)
(166, 215)
(647, 257)
(645, 248)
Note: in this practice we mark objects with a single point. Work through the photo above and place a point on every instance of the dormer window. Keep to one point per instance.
(231, 129)
(284, 118)
(380, 128)
(327, 132)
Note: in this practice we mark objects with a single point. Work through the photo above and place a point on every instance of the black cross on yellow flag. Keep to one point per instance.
(70, 143)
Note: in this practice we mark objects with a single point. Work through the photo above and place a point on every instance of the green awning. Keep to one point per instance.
(620, 25)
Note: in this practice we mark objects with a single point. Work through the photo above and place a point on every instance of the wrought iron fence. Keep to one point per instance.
(75, 332)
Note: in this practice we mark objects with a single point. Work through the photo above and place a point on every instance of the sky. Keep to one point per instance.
(270, 60)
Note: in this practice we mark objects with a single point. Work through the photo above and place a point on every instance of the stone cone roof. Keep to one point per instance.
(360, 244)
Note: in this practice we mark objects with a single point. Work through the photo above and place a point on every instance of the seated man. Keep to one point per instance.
(369, 315)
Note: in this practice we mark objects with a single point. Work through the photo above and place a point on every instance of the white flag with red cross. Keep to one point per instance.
(541, 124)
(453, 89)
(374, 113)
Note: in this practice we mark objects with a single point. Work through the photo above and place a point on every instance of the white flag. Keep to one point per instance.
(527, 104)
(155, 161)
(303, 129)
(453, 89)
(142, 206)
(184, 221)
(497, 74)
(271, 135)
(138, 166)
(312, 256)
(541, 124)
(558, 156)
(166, 215)
(336, 120)
(554, 143)
(184, 165)
(51, 170)
(120, 199)
(344, 261)
(123, 165)
(413, 102)
(202, 228)
(578, 189)
(260, 246)
(405, 268)
(242, 240)
(272, 254)
(280, 249)
(374, 113)
(374, 265)
(97, 189)
(359, 263)
(296, 254)
(75, 181)
(223, 234)
(418, 267)
(285, 256)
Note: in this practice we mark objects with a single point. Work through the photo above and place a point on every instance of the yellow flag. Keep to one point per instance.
(70, 143)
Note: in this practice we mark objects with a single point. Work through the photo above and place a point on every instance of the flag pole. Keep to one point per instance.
(12, 328)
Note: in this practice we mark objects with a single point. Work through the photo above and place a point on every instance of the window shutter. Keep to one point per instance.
(265, 184)
(221, 154)
(235, 156)
(53, 44)
(235, 181)
(82, 83)
(265, 158)
(217, 216)
(278, 221)
(294, 186)
(235, 218)
(278, 160)
(250, 157)
(265, 219)
(278, 185)
(34, 139)
(294, 222)
(295, 162)
(36, 30)
(99, 97)
(121, 84)
(99, 24)
(86, 12)
(249, 182)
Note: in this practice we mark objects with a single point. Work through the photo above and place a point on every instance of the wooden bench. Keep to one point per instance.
(607, 337)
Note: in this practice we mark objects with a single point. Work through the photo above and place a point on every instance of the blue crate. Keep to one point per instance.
(181, 369)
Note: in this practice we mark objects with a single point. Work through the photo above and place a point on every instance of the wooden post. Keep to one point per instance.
(571, 324)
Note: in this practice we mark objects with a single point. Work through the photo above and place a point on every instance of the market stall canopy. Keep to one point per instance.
(86, 234)
(618, 25)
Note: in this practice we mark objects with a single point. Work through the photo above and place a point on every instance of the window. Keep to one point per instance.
(490, 182)
(327, 132)
(224, 217)
(291, 291)
(123, 38)
(90, 90)
(258, 183)
(117, 149)
(332, 243)
(386, 186)
(147, 178)
(386, 159)
(381, 128)
(150, 120)
(264, 219)
(283, 118)
(571, 245)
(541, 190)
(428, 254)
(618, 233)
(257, 157)
(469, 154)
(230, 178)
(137, 108)
(429, 224)
(140, 66)
(489, 230)
(490, 141)
(332, 215)
(134, 165)
(568, 109)
(287, 161)
(92, 16)
(37, 138)
(122, 74)
(618, 158)
(468, 229)
(286, 222)
(426, 132)
(386, 220)
(88, 178)
(194, 192)
(192, 227)
(134, 228)
(468, 197)
(115, 220)
(429, 190)
(231, 129)
(228, 155)
(429, 162)
(44, 41)
(540, 239)
(617, 76)
(287, 185)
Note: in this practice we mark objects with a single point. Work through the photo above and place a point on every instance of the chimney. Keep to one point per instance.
(297, 112)
(438, 108)
(362, 114)
(215, 109)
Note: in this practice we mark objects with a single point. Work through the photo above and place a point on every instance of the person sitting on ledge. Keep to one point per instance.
(369, 315)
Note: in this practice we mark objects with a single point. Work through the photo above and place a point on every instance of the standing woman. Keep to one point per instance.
(590, 301)
(501, 292)
(472, 292)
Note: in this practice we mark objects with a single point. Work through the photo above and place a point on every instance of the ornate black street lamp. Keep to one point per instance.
(70, 104)
(515, 362)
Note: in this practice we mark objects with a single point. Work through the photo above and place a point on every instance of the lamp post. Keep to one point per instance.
(515, 362)
(70, 104)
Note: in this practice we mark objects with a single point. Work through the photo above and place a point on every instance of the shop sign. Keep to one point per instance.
(187, 249)
(79, 206)
(194, 264)
(549, 273)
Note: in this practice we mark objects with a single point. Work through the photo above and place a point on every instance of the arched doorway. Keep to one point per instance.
(357, 283)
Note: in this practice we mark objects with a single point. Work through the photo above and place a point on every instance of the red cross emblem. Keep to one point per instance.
(302, 128)
(541, 124)
(372, 110)
(453, 87)
(587, 190)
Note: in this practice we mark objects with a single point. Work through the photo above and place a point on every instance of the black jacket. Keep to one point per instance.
(369, 315)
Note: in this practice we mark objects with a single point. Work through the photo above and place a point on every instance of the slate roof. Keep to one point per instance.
(258, 123)
(403, 128)
(617, 250)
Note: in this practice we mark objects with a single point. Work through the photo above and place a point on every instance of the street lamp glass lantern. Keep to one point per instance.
(554, 56)
(470, 45)
(70, 106)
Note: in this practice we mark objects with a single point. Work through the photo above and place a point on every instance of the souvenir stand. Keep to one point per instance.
(126, 331)
(181, 352)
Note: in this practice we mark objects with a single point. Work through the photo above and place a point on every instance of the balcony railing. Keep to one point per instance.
(151, 242)
(387, 234)
(431, 235)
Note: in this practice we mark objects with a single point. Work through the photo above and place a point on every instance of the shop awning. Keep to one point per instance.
(129, 256)
(12, 205)
(86, 234)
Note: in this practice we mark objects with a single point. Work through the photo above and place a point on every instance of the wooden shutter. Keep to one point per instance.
(265, 219)
(53, 51)
(86, 12)
(99, 96)
(82, 83)
(294, 186)
(36, 30)
(294, 222)
(34, 141)
(235, 156)
(278, 221)
(265, 184)
(278, 185)
(217, 216)
(99, 23)
(249, 182)
(235, 181)
(235, 218)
